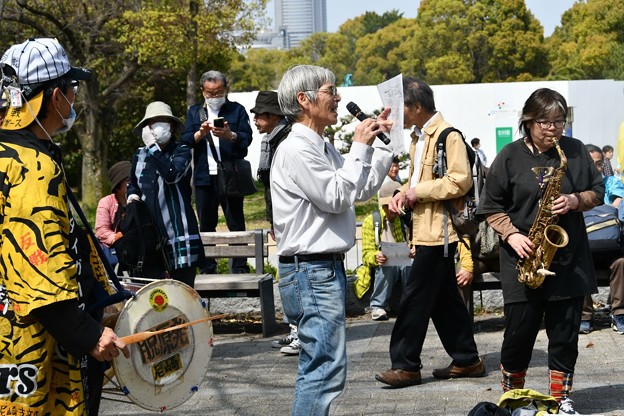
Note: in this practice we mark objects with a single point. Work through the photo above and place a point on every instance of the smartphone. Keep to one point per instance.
(218, 122)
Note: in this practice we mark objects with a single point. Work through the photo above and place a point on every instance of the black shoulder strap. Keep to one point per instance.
(441, 146)
(122, 293)
(213, 149)
(133, 221)
(441, 171)
(441, 150)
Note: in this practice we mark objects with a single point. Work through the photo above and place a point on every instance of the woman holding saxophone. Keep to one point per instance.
(534, 195)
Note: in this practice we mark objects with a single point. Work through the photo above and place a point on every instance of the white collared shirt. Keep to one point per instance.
(314, 189)
(418, 152)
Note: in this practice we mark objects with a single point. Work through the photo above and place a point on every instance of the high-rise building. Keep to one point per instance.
(298, 19)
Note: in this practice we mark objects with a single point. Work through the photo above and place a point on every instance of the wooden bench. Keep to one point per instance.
(246, 244)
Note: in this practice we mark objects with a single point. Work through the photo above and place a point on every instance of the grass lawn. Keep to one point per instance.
(255, 214)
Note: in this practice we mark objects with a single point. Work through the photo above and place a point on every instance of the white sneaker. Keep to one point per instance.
(292, 349)
(279, 343)
(282, 342)
(566, 407)
(379, 314)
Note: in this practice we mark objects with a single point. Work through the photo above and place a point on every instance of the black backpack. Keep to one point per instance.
(141, 243)
(488, 409)
(464, 221)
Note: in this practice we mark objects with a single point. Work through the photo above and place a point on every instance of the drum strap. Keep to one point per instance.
(104, 299)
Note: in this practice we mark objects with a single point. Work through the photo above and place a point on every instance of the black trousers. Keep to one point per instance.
(95, 381)
(431, 293)
(522, 323)
(207, 200)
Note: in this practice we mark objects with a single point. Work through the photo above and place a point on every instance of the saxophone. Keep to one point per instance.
(546, 236)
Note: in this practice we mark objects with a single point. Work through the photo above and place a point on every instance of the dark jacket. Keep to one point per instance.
(513, 188)
(267, 150)
(162, 178)
(238, 121)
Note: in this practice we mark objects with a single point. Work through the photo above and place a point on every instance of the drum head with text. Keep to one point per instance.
(164, 370)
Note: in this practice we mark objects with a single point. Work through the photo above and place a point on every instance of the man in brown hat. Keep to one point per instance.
(269, 119)
(45, 285)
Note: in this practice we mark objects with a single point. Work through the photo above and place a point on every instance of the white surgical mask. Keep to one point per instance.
(67, 122)
(162, 132)
(215, 104)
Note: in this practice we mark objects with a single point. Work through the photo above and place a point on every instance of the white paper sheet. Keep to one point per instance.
(397, 254)
(391, 93)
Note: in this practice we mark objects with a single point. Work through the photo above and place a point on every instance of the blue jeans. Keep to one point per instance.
(385, 280)
(313, 298)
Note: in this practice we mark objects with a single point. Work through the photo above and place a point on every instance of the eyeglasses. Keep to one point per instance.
(74, 85)
(332, 90)
(208, 94)
(545, 124)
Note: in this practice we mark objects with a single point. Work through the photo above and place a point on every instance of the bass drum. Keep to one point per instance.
(165, 370)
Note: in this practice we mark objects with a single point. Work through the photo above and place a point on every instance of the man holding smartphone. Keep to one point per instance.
(228, 125)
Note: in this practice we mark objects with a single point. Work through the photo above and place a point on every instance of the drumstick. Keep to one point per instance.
(142, 336)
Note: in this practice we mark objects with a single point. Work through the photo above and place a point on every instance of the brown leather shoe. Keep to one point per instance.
(452, 371)
(398, 378)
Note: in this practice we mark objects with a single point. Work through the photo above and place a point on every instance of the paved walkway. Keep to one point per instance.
(247, 377)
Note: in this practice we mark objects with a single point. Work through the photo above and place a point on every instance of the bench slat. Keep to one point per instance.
(229, 281)
(230, 251)
(230, 237)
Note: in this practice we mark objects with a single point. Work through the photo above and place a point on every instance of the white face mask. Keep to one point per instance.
(67, 122)
(162, 132)
(215, 104)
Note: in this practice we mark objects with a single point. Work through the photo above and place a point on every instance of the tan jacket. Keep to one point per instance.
(428, 213)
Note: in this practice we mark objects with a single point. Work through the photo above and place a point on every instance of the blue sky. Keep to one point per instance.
(338, 11)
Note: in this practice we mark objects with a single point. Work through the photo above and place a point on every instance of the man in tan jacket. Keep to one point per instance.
(431, 291)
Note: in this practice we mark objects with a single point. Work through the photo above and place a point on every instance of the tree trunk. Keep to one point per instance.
(94, 147)
(191, 76)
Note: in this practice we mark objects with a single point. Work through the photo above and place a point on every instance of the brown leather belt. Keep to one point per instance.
(302, 258)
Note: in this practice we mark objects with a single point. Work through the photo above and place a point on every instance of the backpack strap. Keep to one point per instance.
(440, 169)
(377, 225)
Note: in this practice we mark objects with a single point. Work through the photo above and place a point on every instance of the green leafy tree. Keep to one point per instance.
(258, 69)
(139, 51)
(463, 41)
(589, 44)
(387, 52)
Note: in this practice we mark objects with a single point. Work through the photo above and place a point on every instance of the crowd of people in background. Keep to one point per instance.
(310, 192)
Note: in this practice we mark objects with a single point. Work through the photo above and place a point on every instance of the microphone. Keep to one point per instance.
(359, 114)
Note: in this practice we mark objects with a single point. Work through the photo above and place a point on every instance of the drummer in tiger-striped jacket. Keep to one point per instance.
(46, 278)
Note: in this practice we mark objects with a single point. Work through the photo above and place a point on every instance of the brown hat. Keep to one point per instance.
(387, 192)
(266, 102)
(118, 172)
